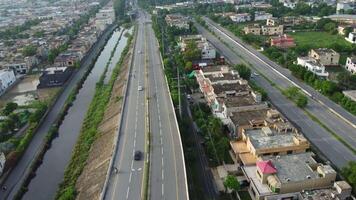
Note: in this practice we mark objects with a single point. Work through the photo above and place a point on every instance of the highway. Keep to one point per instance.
(333, 149)
(167, 171)
(127, 183)
(167, 176)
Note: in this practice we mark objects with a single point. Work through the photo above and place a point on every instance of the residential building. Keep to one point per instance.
(351, 64)
(341, 28)
(289, 3)
(54, 77)
(280, 139)
(343, 6)
(254, 29)
(7, 78)
(273, 21)
(256, 118)
(313, 65)
(207, 49)
(287, 174)
(2, 162)
(104, 17)
(177, 20)
(341, 190)
(66, 60)
(327, 57)
(261, 15)
(272, 30)
(240, 17)
(282, 41)
(351, 38)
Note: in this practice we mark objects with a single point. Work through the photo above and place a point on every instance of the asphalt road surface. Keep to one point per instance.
(167, 168)
(127, 183)
(334, 150)
(167, 171)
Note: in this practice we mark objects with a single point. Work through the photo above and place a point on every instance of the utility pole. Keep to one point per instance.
(179, 99)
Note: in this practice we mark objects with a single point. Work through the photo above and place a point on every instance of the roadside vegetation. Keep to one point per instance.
(294, 94)
(89, 131)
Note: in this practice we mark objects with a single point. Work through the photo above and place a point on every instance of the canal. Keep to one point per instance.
(50, 173)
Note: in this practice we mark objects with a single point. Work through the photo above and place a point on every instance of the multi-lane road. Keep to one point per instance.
(167, 176)
(344, 126)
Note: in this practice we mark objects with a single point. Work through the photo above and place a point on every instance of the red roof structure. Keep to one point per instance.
(266, 167)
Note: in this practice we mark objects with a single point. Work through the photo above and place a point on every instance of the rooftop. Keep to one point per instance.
(297, 167)
(267, 138)
(248, 117)
(238, 101)
(323, 51)
(214, 68)
(222, 76)
(230, 88)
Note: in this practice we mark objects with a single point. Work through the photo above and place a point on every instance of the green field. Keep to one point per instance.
(318, 39)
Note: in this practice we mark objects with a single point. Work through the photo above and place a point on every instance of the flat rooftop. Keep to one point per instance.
(323, 51)
(246, 117)
(266, 138)
(213, 68)
(238, 101)
(222, 76)
(233, 87)
(296, 167)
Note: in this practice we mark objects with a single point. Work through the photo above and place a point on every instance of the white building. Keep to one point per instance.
(241, 17)
(7, 78)
(312, 65)
(288, 3)
(104, 18)
(343, 6)
(208, 51)
(351, 38)
(351, 64)
(2, 162)
(260, 16)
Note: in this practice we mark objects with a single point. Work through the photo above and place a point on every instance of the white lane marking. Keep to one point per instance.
(134, 144)
(162, 189)
(127, 192)
(130, 177)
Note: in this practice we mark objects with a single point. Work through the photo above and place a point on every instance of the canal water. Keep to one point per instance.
(120, 47)
(50, 173)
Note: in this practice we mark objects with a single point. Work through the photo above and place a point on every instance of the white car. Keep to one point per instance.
(256, 74)
(140, 88)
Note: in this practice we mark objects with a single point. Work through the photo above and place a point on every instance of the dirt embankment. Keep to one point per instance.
(91, 181)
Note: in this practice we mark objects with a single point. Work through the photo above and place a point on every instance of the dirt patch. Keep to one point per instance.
(91, 181)
(25, 91)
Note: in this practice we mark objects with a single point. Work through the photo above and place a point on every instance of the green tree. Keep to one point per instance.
(29, 50)
(188, 66)
(244, 71)
(9, 108)
(349, 172)
(330, 27)
(302, 101)
(231, 183)
(192, 52)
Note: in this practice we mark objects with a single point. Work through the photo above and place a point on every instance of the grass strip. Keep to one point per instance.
(89, 131)
(336, 136)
